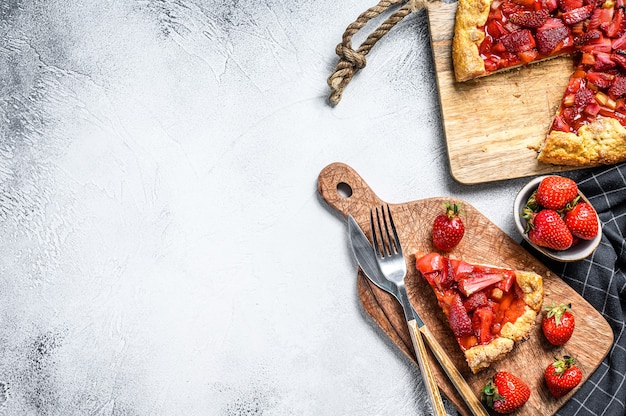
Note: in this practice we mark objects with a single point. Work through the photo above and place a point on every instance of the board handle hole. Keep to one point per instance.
(344, 190)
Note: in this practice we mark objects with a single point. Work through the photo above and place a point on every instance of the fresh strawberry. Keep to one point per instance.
(554, 192)
(562, 376)
(582, 221)
(459, 320)
(547, 229)
(505, 392)
(530, 18)
(448, 228)
(558, 324)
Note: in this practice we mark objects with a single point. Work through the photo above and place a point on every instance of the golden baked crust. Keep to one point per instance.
(470, 15)
(601, 142)
(532, 285)
(482, 356)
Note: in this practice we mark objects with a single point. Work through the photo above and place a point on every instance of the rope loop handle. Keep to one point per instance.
(350, 60)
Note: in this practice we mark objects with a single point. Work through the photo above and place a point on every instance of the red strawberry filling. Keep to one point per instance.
(478, 300)
(591, 93)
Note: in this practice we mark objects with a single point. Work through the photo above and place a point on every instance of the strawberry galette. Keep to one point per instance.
(488, 308)
(495, 35)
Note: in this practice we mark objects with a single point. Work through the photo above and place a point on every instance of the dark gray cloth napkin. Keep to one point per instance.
(601, 280)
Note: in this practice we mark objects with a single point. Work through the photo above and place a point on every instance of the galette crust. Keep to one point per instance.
(601, 142)
(470, 15)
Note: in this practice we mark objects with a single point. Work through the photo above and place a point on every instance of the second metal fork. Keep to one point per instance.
(392, 264)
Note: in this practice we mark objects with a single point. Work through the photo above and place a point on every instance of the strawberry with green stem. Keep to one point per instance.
(448, 228)
(582, 221)
(558, 324)
(555, 192)
(505, 392)
(562, 376)
(546, 228)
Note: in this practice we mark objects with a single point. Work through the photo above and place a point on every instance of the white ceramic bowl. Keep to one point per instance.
(580, 251)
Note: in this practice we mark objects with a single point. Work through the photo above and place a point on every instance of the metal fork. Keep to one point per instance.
(393, 266)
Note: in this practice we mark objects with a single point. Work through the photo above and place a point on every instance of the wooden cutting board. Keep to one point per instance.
(491, 122)
(483, 242)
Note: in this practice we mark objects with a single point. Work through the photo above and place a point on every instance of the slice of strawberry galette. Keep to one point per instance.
(488, 308)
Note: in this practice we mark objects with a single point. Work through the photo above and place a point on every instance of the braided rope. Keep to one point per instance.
(350, 60)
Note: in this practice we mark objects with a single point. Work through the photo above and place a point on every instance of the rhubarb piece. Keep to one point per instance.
(474, 283)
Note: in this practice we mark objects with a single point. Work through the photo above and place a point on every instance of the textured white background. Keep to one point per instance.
(163, 249)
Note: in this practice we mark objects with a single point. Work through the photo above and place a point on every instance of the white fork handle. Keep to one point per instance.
(453, 373)
(427, 373)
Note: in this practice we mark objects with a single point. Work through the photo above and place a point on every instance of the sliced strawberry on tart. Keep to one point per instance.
(488, 308)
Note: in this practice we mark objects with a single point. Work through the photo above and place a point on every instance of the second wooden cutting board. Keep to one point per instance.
(491, 123)
(483, 242)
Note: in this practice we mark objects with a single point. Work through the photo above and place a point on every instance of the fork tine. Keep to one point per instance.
(374, 233)
(390, 248)
(395, 232)
(387, 246)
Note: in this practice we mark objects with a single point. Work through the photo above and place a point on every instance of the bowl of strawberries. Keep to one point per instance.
(556, 218)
